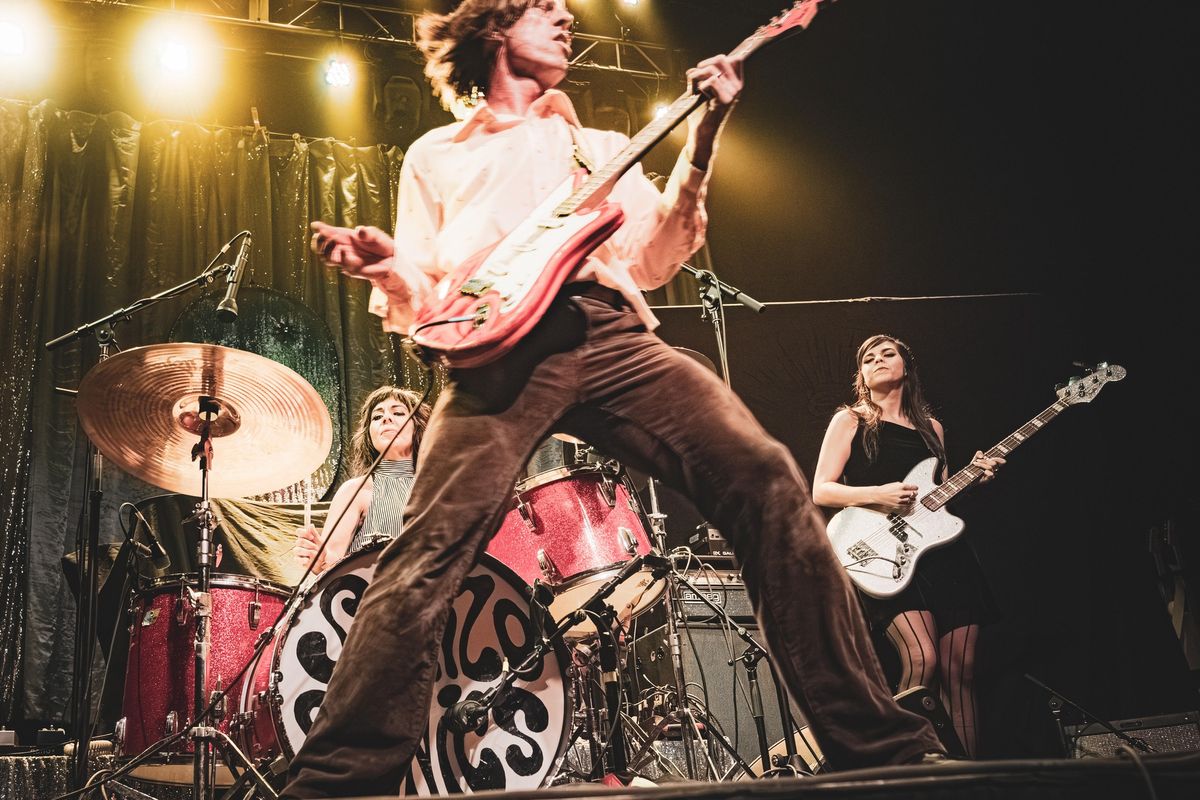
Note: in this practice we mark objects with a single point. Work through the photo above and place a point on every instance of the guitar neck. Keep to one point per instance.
(638, 146)
(599, 181)
(968, 475)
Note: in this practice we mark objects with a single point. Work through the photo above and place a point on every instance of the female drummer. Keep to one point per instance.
(376, 509)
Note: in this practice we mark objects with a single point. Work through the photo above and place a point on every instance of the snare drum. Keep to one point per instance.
(490, 623)
(573, 528)
(159, 675)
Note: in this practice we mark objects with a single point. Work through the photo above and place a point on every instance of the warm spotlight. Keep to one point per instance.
(175, 56)
(337, 73)
(177, 60)
(12, 38)
(26, 44)
(660, 109)
(629, 2)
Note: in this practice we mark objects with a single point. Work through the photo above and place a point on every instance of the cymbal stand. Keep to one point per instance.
(202, 779)
(683, 714)
(102, 329)
(206, 736)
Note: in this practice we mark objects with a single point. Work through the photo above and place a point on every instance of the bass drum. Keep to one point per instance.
(526, 734)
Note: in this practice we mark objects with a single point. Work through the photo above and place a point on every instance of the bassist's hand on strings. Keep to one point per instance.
(897, 496)
(987, 465)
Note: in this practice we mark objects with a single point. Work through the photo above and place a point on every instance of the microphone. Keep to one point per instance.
(158, 556)
(465, 716)
(227, 309)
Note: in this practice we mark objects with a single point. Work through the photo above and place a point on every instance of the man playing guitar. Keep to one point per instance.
(590, 368)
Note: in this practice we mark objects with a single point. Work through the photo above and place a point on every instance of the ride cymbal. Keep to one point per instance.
(146, 408)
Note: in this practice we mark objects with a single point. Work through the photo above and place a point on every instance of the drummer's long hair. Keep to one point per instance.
(362, 452)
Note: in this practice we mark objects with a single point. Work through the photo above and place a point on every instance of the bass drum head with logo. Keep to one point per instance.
(525, 736)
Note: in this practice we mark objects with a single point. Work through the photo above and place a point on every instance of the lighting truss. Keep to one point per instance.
(346, 19)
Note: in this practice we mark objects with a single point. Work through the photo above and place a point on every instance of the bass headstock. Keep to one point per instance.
(1082, 388)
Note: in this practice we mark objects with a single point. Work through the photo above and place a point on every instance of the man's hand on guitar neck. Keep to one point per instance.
(363, 252)
(719, 79)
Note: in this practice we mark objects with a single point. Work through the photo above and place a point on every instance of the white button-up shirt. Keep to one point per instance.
(464, 186)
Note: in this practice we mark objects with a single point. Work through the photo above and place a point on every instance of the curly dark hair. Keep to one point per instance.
(362, 451)
(913, 405)
(459, 46)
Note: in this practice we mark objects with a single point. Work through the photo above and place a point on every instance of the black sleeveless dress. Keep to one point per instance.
(948, 581)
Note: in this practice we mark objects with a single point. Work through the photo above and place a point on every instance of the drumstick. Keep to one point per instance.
(307, 505)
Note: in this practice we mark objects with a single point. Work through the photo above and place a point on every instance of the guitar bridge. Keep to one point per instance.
(859, 551)
(475, 287)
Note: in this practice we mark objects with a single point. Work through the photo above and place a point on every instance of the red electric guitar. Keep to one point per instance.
(484, 307)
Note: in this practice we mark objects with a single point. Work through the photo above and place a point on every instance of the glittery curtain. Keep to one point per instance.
(97, 212)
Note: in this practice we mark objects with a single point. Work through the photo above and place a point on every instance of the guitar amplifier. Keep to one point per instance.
(1167, 733)
(724, 588)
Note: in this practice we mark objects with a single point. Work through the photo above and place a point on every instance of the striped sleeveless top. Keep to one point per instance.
(390, 487)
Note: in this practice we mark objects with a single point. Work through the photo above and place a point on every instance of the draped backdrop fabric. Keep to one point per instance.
(97, 212)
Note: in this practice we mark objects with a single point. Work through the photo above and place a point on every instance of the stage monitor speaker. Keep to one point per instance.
(920, 700)
(706, 651)
(1166, 733)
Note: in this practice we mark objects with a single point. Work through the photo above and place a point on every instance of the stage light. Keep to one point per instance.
(26, 44)
(629, 2)
(660, 109)
(12, 38)
(337, 73)
(175, 56)
(177, 61)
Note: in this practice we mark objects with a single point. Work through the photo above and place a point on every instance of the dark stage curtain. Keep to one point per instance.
(97, 212)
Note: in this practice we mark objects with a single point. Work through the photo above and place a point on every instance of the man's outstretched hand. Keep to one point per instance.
(362, 252)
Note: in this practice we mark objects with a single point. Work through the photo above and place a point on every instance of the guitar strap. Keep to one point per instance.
(579, 153)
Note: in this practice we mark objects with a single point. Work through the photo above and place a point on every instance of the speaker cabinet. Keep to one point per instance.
(1167, 733)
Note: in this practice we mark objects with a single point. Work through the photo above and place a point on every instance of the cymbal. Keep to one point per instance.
(142, 410)
(698, 356)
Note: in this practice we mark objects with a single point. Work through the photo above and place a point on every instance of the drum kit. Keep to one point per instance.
(225, 673)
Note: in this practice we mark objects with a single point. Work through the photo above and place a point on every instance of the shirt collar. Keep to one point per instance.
(550, 103)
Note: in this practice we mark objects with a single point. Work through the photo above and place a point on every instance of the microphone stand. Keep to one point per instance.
(713, 292)
(85, 624)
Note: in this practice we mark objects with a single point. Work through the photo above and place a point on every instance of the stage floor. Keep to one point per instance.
(1168, 776)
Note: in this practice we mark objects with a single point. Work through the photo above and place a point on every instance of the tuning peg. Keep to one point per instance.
(1081, 365)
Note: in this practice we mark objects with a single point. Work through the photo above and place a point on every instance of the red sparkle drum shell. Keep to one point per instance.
(526, 735)
(566, 528)
(160, 667)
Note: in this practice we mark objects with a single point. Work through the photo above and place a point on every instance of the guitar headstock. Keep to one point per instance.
(789, 21)
(1082, 389)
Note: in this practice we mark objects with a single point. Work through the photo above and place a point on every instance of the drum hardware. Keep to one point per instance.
(607, 490)
(749, 658)
(102, 330)
(467, 715)
(284, 693)
(526, 512)
(563, 529)
(154, 410)
(693, 726)
(546, 565)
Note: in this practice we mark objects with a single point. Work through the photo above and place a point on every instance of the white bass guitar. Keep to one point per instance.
(880, 551)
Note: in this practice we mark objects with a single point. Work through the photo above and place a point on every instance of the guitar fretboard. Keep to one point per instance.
(600, 180)
(969, 474)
